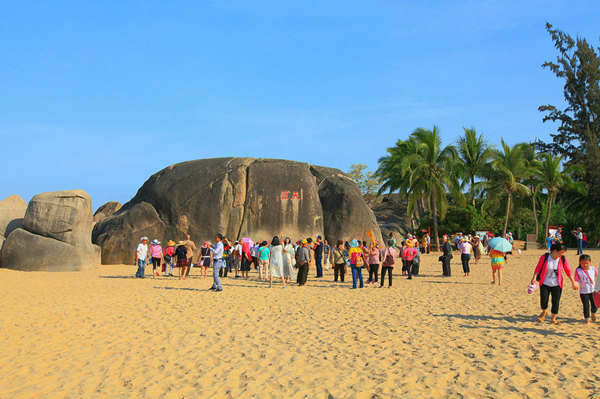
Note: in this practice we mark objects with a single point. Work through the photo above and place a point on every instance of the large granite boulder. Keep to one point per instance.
(106, 210)
(345, 211)
(55, 235)
(237, 197)
(12, 212)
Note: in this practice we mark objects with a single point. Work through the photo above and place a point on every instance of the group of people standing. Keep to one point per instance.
(287, 261)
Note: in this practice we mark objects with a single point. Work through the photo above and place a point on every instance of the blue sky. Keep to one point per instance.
(100, 95)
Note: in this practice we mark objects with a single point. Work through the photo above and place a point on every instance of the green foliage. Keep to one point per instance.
(578, 135)
(511, 188)
(423, 170)
(366, 180)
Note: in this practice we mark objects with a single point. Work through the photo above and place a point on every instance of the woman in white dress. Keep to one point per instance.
(289, 260)
(276, 262)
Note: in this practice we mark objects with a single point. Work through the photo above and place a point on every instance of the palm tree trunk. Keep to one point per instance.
(533, 203)
(549, 206)
(435, 222)
(506, 214)
(473, 190)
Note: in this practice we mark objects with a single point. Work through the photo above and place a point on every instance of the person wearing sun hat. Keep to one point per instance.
(156, 255)
(357, 261)
(169, 258)
(141, 253)
(302, 262)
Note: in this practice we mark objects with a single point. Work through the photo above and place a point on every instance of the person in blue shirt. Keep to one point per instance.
(548, 241)
(217, 263)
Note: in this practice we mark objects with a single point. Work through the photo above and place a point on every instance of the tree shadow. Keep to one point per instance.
(520, 318)
(181, 289)
(524, 329)
(125, 277)
(454, 282)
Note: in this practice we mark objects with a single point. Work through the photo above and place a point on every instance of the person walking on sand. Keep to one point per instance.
(190, 247)
(264, 254)
(246, 258)
(446, 256)
(497, 260)
(182, 259)
(475, 242)
(549, 274)
(302, 262)
(217, 255)
(236, 253)
(409, 254)
(204, 259)
(579, 237)
(156, 254)
(169, 259)
(338, 260)
(586, 275)
(389, 261)
(374, 262)
(465, 249)
(318, 249)
(289, 260)
(141, 253)
(357, 262)
(276, 262)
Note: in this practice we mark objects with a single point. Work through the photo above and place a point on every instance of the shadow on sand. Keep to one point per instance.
(515, 319)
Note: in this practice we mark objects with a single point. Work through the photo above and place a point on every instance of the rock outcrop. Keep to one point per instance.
(55, 235)
(237, 197)
(391, 214)
(106, 210)
(12, 212)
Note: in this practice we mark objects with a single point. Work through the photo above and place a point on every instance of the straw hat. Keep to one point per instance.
(171, 243)
(304, 241)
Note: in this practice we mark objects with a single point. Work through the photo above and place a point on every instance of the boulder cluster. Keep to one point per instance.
(237, 197)
(54, 235)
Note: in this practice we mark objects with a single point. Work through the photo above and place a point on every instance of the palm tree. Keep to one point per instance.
(553, 178)
(533, 181)
(421, 169)
(508, 170)
(473, 154)
(431, 174)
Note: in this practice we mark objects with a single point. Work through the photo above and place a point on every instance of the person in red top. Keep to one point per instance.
(409, 254)
(549, 274)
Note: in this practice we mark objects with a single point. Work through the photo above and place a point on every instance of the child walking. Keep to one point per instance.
(586, 275)
(497, 259)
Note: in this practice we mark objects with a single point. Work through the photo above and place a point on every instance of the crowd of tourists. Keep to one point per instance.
(286, 261)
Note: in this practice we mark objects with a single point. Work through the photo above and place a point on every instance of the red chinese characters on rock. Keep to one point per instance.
(291, 195)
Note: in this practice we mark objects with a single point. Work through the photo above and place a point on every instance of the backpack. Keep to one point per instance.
(389, 259)
(181, 252)
(546, 255)
(300, 258)
(357, 259)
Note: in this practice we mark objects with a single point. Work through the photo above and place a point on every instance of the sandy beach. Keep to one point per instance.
(103, 333)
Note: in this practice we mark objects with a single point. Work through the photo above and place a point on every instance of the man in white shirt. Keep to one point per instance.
(217, 263)
(141, 254)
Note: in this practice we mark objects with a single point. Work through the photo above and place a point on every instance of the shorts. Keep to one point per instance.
(182, 263)
(205, 262)
(263, 262)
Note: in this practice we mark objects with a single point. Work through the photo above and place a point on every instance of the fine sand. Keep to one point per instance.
(104, 334)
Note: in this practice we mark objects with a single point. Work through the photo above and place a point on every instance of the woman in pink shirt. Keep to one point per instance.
(389, 261)
(156, 254)
(374, 260)
(409, 254)
(549, 274)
